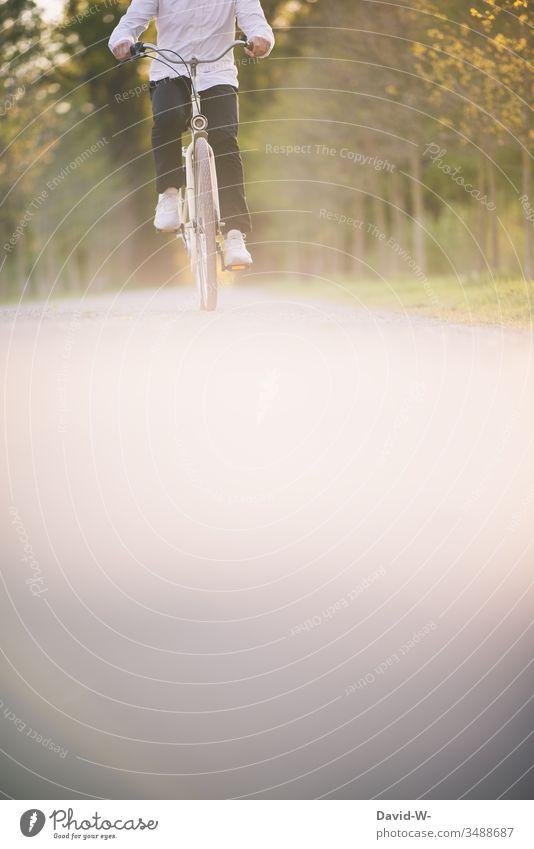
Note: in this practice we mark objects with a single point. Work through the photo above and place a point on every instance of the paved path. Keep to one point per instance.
(280, 551)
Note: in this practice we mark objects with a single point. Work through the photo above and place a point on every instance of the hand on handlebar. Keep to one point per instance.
(257, 47)
(121, 50)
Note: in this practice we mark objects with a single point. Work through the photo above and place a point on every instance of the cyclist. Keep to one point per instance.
(200, 28)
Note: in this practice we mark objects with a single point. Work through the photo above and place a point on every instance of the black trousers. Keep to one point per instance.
(171, 107)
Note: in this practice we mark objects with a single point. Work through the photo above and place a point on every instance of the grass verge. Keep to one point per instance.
(477, 300)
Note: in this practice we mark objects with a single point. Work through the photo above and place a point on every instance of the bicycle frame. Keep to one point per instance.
(198, 124)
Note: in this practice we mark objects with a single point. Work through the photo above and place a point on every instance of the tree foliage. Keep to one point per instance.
(335, 126)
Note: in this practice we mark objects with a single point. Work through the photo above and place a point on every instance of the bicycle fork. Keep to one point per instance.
(188, 210)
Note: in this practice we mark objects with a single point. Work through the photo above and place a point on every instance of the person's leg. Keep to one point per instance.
(220, 106)
(170, 107)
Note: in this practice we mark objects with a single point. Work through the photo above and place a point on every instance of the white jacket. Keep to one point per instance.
(201, 28)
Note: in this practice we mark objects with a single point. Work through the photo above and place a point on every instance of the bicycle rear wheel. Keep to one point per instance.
(206, 227)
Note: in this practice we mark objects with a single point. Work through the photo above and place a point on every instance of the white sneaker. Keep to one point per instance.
(235, 250)
(168, 217)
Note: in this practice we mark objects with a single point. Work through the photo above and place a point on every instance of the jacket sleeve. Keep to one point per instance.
(252, 21)
(134, 22)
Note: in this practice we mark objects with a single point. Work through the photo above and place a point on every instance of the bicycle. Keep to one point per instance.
(201, 227)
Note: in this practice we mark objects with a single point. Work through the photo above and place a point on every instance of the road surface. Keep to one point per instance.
(279, 551)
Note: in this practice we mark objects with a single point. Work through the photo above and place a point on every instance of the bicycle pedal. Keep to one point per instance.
(237, 267)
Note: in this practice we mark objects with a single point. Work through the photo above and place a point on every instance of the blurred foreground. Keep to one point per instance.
(279, 551)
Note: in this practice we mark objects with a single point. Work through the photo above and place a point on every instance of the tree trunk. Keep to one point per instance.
(358, 237)
(417, 210)
(482, 219)
(20, 267)
(526, 186)
(378, 235)
(495, 257)
(397, 213)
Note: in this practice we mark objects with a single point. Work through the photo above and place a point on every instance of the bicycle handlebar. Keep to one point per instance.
(138, 50)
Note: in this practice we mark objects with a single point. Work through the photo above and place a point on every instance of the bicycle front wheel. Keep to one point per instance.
(206, 227)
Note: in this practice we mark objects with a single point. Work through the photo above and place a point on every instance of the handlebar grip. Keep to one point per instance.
(137, 49)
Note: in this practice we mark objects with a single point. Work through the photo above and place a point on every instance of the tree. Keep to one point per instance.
(25, 127)
(481, 53)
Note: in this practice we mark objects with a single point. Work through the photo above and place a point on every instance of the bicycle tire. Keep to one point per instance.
(206, 227)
